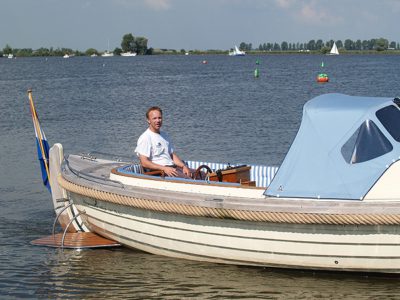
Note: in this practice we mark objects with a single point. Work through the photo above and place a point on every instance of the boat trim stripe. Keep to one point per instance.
(237, 249)
(229, 248)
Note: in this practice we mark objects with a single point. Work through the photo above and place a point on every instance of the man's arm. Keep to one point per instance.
(148, 164)
(180, 164)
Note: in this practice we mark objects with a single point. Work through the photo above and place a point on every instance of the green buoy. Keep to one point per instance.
(256, 73)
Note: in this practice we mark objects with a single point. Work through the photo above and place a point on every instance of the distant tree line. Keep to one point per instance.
(129, 44)
(139, 45)
(380, 44)
(134, 44)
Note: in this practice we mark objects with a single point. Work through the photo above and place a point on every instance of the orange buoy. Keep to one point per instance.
(322, 78)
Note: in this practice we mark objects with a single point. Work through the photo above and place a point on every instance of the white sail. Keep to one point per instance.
(237, 52)
(334, 50)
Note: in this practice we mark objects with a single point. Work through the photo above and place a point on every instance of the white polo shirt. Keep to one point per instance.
(156, 146)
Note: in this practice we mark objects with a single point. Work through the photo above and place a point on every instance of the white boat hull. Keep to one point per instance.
(329, 247)
(224, 223)
(128, 54)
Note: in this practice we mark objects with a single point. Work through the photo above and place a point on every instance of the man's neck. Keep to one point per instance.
(154, 130)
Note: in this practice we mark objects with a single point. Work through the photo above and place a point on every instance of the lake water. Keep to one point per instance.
(214, 112)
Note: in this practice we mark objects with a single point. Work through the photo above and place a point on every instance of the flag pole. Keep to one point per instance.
(38, 132)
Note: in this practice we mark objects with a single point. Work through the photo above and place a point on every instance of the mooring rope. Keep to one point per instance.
(223, 213)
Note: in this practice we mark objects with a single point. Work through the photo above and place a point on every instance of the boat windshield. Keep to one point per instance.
(366, 143)
(389, 116)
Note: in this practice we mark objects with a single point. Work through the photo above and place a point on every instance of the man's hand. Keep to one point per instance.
(186, 171)
(170, 171)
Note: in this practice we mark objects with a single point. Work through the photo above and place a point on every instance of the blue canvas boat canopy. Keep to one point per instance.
(343, 146)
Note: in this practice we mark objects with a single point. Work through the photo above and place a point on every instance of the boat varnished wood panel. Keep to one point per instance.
(76, 240)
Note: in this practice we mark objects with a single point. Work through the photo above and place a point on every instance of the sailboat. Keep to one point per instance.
(108, 53)
(237, 52)
(334, 50)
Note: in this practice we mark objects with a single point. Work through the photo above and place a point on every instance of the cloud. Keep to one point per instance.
(285, 3)
(158, 4)
(86, 4)
(394, 5)
(151, 4)
(308, 11)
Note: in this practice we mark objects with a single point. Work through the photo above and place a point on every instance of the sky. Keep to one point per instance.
(192, 24)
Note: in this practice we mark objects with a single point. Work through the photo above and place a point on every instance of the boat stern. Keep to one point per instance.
(63, 207)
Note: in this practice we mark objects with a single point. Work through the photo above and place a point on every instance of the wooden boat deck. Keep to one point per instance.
(75, 240)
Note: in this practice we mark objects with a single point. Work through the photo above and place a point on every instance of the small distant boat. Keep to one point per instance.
(334, 50)
(237, 52)
(93, 55)
(128, 53)
(107, 54)
(10, 55)
(66, 55)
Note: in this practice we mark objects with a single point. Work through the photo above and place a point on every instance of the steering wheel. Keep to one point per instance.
(197, 173)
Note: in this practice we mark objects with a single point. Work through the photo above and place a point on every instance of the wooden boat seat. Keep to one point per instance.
(155, 173)
(238, 174)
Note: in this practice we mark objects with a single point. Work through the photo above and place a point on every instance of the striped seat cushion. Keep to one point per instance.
(262, 175)
(133, 168)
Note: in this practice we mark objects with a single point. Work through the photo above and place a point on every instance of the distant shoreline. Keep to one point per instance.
(223, 52)
(132, 46)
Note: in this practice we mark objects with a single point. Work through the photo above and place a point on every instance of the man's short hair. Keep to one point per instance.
(151, 109)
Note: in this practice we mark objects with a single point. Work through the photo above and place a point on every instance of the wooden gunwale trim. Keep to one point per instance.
(210, 183)
(236, 214)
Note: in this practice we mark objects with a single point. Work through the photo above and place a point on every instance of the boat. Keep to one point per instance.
(236, 52)
(334, 50)
(107, 54)
(128, 53)
(66, 55)
(10, 55)
(333, 204)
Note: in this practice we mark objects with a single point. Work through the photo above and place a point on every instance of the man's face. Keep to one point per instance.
(155, 120)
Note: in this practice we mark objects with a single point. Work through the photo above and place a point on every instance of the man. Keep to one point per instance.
(155, 149)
